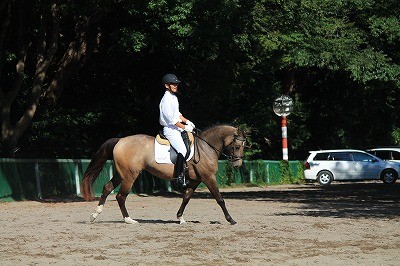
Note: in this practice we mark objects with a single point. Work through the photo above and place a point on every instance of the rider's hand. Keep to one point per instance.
(188, 122)
(188, 128)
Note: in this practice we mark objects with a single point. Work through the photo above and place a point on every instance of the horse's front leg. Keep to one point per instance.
(193, 184)
(212, 185)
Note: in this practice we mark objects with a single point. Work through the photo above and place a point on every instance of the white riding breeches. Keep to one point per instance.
(175, 138)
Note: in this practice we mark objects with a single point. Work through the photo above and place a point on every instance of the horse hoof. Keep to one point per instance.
(233, 222)
(182, 221)
(93, 217)
(129, 220)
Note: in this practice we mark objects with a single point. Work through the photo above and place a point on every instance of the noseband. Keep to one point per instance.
(232, 157)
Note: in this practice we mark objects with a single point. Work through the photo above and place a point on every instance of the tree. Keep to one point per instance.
(45, 50)
(29, 38)
(339, 61)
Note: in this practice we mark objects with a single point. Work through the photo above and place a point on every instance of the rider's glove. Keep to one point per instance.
(188, 122)
(188, 128)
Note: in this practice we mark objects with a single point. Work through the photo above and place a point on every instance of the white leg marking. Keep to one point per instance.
(181, 220)
(93, 216)
(129, 220)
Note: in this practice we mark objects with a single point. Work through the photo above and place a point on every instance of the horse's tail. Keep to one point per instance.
(97, 163)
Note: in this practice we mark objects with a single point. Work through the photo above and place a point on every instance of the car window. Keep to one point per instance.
(395, 155)
(372, 152)
(323, 156)
(362, 157)
(341, 156)
(384, 155)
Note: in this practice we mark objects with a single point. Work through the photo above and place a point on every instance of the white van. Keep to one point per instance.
(325, 166)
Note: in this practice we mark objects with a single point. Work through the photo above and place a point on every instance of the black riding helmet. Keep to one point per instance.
(170, 79)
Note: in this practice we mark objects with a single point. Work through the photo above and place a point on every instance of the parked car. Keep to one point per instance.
(387, 154)
(326, 166)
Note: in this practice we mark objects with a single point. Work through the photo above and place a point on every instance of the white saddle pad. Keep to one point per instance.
(161, 153)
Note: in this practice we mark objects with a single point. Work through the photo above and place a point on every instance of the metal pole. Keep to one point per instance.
(284, 139)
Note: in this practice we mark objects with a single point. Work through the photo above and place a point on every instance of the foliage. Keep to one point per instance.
(230, 172)
(291, 173)
(260, 173)
(396, 136)
(338, 60)
(286, 173)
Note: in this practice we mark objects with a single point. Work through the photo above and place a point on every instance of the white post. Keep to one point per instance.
(77, 181)
(283, 106)
(110, 174)
(37, 175)
(285, 152)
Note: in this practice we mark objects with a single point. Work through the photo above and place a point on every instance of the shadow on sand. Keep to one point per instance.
(342, 200)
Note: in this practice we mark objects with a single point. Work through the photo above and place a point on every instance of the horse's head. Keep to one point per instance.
(234, 145)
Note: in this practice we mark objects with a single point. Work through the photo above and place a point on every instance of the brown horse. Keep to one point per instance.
(136, 153)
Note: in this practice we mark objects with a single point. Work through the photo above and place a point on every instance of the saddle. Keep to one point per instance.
(188, 139)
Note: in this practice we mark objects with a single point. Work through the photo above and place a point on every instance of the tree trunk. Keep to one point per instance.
(85, 43)
(10, 134)
(77, 54)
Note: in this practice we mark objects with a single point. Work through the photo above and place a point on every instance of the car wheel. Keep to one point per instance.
(325, 178)
(389, 176)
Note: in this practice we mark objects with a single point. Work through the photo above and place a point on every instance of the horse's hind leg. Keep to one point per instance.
(186, 197)
(123, 192)
(107, 189)
(213, 187)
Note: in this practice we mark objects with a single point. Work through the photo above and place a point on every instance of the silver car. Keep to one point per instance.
(328, 165)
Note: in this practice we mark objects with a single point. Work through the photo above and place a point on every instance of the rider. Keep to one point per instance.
(174, 122)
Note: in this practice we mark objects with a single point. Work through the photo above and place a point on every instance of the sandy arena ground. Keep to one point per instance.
(346, 224)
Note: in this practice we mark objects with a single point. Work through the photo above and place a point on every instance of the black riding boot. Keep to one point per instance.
(178, 170)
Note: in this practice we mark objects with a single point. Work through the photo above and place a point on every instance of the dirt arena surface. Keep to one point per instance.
(346, 224)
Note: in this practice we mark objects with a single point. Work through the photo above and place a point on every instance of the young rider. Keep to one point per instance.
(174, 122)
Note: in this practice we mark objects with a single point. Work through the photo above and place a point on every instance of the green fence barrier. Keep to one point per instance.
(258, 172)
(17, 179)
(22, 179)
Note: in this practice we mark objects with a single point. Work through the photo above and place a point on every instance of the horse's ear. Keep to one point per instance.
(241, 130)
(237, 132)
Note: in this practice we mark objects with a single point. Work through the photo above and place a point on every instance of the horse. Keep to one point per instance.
(135, 153)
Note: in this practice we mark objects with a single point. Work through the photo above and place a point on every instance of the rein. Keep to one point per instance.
(231, 158)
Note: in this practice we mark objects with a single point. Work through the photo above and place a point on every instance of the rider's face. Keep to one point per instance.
(172, 87)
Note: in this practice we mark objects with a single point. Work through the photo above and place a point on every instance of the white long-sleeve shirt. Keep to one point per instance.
(169, 110)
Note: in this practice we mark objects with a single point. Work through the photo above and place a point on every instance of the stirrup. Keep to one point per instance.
(181, 180)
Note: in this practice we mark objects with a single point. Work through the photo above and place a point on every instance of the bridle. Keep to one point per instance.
(230, 157)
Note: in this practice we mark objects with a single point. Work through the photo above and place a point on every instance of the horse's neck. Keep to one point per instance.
(217, 135)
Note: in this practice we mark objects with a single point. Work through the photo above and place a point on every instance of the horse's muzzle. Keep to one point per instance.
(237, 163)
